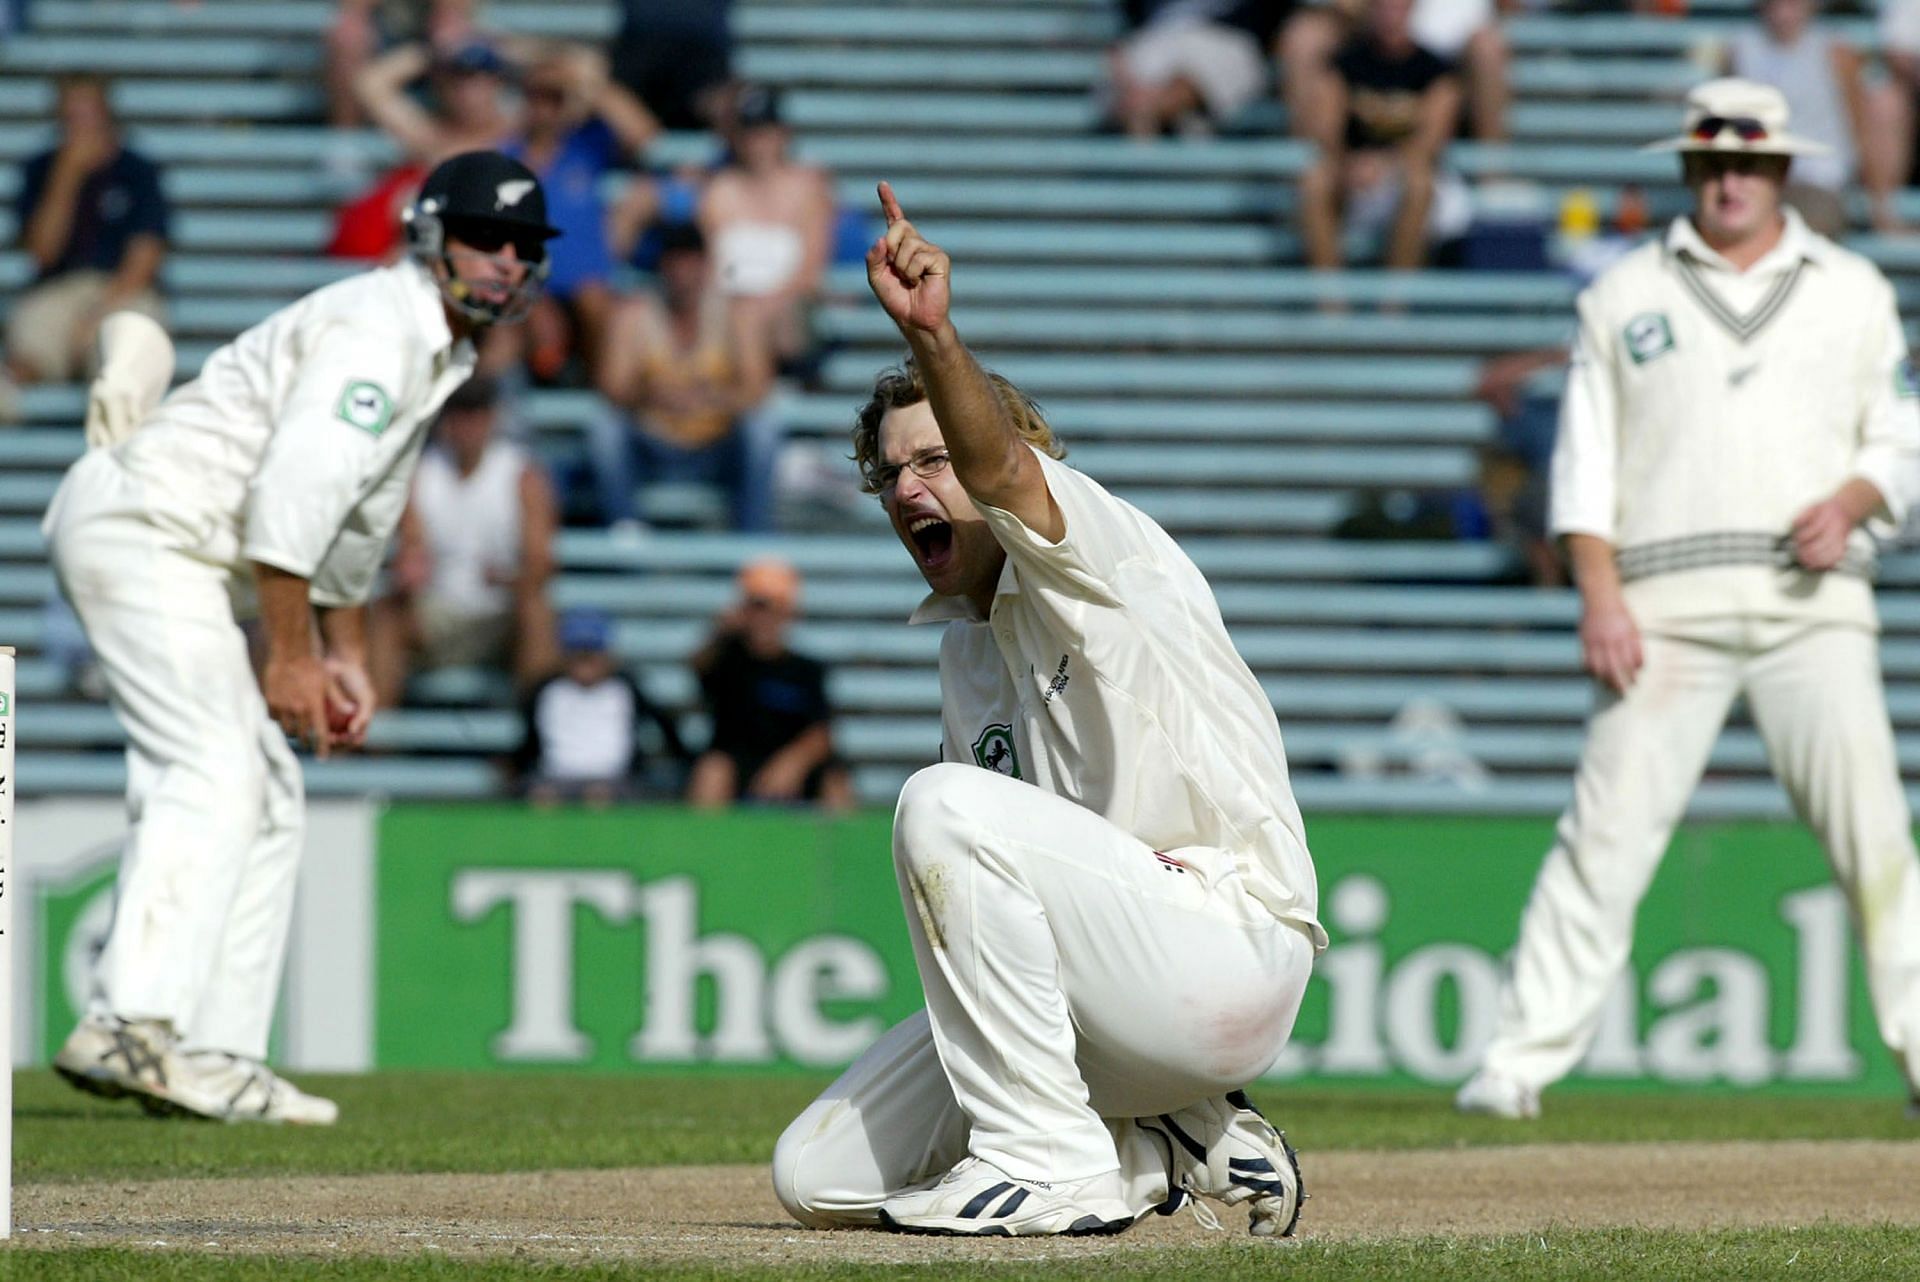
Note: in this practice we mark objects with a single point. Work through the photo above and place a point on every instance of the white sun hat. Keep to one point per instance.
(1738, 116)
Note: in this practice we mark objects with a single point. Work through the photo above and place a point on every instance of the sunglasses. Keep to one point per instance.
(491, 239)
(1745, 128)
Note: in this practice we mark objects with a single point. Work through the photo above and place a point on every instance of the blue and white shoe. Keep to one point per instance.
(1223, 1149)
(977, 1198)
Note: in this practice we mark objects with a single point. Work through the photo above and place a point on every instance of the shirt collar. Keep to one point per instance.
(423, 296)
(1797, 244)
(937, 608)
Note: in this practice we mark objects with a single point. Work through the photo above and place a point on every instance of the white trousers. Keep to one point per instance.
(204, 898)
(1817, 700)
(1072, 975)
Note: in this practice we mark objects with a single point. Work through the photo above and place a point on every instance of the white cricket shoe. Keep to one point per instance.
(235, 1089)
(117, 1058)
(1496, 1095)
(978, 1198)
(1225, 1149)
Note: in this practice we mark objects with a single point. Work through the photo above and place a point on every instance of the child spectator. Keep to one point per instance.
(585, 726)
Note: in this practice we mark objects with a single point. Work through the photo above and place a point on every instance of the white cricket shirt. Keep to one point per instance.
(1707, 407)
(1105, 675)
(296, 443)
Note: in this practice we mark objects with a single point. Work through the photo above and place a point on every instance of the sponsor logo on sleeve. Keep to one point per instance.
(365, 405)
(1906, 381)
(995, 751)
(1647, 335)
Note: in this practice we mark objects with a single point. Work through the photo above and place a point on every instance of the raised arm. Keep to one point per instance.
(910, 275)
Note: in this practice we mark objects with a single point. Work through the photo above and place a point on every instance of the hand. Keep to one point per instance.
(350, 702)
(296, 693)
(908, 274)
(779, 780)
(1610, 644)
(1820, 535)
(82, 153)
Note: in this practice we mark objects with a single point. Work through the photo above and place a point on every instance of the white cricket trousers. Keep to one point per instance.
(1071, 975)
(204, 898)
(1816, 697)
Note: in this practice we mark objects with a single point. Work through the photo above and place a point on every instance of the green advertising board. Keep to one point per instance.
(645, 938)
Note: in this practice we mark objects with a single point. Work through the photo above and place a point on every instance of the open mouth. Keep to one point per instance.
(932, 541)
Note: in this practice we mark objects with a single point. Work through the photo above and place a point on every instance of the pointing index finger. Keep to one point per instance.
(889, 205)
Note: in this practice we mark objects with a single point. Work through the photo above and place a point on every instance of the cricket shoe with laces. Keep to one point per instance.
(1225, 1150)
(1496, 1095)
(119, 1058)
(233, 1088)
(978, 1198)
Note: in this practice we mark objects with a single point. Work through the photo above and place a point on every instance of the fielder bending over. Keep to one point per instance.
(1106, 881)
(1740, 406)
(275, 478)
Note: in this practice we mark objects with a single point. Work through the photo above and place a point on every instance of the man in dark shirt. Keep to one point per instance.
(94, 222)
(772, 732)
(677, 57)
(1392, 106)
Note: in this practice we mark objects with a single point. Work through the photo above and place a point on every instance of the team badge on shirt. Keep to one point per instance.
(994, 750)
(364, 405)
(1647, 335)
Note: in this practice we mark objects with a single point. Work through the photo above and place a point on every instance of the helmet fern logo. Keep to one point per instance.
(512, 192)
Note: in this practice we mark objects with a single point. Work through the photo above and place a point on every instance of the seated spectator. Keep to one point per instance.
(577, 127)
(772, 729)
(585, 726)
(770, 222)
(676, 56)
(93, 220)
(473, 557)
(1396, 105)
(1187, 65)
(1820, 74)
(364, 28)
(684, 372)
(1466, 33)
(469, 110)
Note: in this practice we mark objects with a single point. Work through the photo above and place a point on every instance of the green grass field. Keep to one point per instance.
(468, 1123)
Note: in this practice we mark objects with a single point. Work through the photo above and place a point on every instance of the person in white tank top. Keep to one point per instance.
(1820, 75)
(473, 561)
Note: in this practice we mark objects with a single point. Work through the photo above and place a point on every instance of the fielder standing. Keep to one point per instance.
(272, 481)
(1107, 883)
(1740, 407)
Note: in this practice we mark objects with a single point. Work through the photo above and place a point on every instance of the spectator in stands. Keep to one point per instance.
(578, 126)
(93, 221)
(1189, 65)
(364, 28)
(686, 373)
(1466, 33)
(769, 219)
(1888, 154)
(469, 110)
(585, 726)
(1820, 74)
(473, 559)
(1391, 108)
(676, 56)
(772, 728)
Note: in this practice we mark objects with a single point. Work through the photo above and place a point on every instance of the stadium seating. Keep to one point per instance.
(1148, 294)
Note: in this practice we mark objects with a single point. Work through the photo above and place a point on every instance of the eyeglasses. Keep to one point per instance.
(1745, 128)
(924, 464)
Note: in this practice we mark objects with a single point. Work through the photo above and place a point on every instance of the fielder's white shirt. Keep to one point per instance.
(1707, 407)
(296, 443)
(1105, 675)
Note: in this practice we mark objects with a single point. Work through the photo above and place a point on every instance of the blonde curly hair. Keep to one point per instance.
(899, 386)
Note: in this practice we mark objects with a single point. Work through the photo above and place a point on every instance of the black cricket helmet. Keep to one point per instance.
(486, 200)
